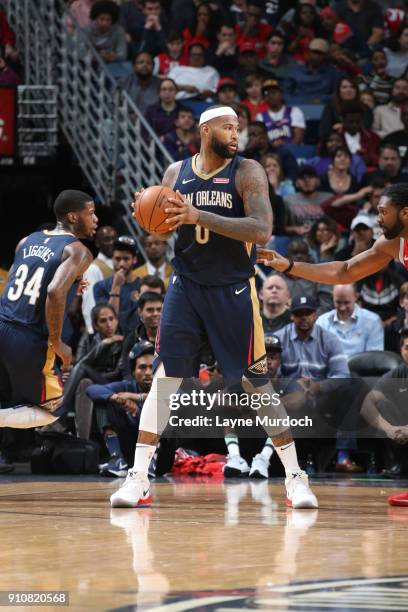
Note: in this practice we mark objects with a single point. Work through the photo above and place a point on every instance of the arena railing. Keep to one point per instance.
(37, 122)
(116, 148)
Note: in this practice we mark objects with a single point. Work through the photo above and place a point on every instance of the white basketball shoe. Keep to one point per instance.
(133, 493)
(298, 492)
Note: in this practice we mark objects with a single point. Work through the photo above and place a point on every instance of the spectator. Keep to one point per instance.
(359, 140)
(254, 100)
(247, 63)
(105, 34)
(157, 263)
(196, 80)
(377, 81)
(121, 289)
(237, 11)
(370, 206)
(395, 329)
(100, 268)
(273, 168)
(361, 238)
(344, 60)
(164, 62)
(80, 11)
(357, 329)
(162, 115)
(304, 27)
(335, 31)
(227, 92)
(276, 64)
(342, 208)
(223, 55)
(399, 138)
(387, 117)
(380, 292)
(150, 305)
(346, 91)
(202, 32)
(180, 141)
(253, 30)
(145, 23)
(366, 21)
(390, 165)
(141, 86)
(304, 207)
(284, 124)
(324, 240)
(397, 53)
(314, 82)
(118, 406)
(327, 149)
(275, 302)
(367, 100)
(276, 178)
(259, 145)
(339, 179)
(244, 118)
(8, 76)
(97, 362)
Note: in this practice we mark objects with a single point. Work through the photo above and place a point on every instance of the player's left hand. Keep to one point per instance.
(184, 213)
(82, 287)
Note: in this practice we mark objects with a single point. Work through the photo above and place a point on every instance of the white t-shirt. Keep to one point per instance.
(203, 78)
(353, 142)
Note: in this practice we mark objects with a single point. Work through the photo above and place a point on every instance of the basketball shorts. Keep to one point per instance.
(26, 367)
(226, 317)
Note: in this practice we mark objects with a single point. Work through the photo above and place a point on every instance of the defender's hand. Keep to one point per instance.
(184, 213)
(272, 259)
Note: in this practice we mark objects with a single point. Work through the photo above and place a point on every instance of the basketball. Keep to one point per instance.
(149, 209)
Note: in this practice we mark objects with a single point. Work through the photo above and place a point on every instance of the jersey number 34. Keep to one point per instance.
(22, 286)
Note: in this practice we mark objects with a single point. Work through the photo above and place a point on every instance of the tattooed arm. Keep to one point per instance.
(255, 227)
(77, 260)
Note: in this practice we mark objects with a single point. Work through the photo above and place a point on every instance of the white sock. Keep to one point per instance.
(25, 417)
(231, 441)
(267, 450)
(287, 454)
(143, 456)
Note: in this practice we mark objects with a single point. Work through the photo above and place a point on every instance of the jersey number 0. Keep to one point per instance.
(202, 234)
(30, 287)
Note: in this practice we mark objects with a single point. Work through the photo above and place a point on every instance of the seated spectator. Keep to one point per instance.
(100, 268)
(321, 294)
(244, 118)
(254, 100)
(339, 179)
(367, 100)
(80, 11)
(150, 305)
(180, 142)
(396, 51)
(227, 92)
(97, 361)
(357, 329)
(344, 208)
(274, 171)
(202, 31)
(164, 62)
(344, 60)
(387, 117)
(8, 76)
(399, 138)
(337, 32)
(276, 64)
(346, 91)
(7, 38)
(145, 24)
(304, 207)
(315, 81)
(366, 21)
(105, 34)
(247, 63)
(305, 27)
(377, 80)
(253, 30)
(162, 115)
(157, 263)
(118, 406)
(380, 292)
(389, 165)
(121, 289)
(196, 80)
(275, 303)
(324, 240)
(223, 55)
(359, 140)
(142, 86)
(327, 148)
(284, 124)
(259, 145)
(237, 11)
(361, 237)
(395, 329)
(370, 206)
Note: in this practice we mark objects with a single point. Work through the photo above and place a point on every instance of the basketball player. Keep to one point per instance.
(221, 211)
(393, 219)
(45, 267)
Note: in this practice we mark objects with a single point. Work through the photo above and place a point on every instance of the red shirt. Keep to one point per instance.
(262, 107)
(259, 39)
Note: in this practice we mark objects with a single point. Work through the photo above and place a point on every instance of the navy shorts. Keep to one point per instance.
(226, 317)
(26, 367)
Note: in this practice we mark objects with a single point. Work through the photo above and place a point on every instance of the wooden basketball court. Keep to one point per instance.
(205, 545)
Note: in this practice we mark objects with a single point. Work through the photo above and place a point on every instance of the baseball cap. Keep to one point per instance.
(247, 47)
(144, 347)
(272, 343)
(226, 82)
(319, 44)
(362, 219)
(303, 302)
(269, 84)
(306, 171)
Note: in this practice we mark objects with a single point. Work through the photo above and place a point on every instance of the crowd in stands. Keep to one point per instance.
(321, 93)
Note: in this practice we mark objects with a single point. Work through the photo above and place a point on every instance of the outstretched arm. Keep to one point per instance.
(335, 272)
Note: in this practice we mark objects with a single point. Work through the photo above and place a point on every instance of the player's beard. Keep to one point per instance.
(394, 231)
(221, 149)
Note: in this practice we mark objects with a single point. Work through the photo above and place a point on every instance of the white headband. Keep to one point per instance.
(212, 113)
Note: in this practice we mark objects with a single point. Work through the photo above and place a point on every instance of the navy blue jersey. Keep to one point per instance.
(204, 256)
(35, 263)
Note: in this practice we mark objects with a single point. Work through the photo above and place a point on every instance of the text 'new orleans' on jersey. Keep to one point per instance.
(35, 263)
(201, 255)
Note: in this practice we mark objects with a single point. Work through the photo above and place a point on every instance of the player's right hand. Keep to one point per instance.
(272, 259)
(64, 352)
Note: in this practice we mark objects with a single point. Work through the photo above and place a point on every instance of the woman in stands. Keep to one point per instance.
(346, 91)
(327, 148)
